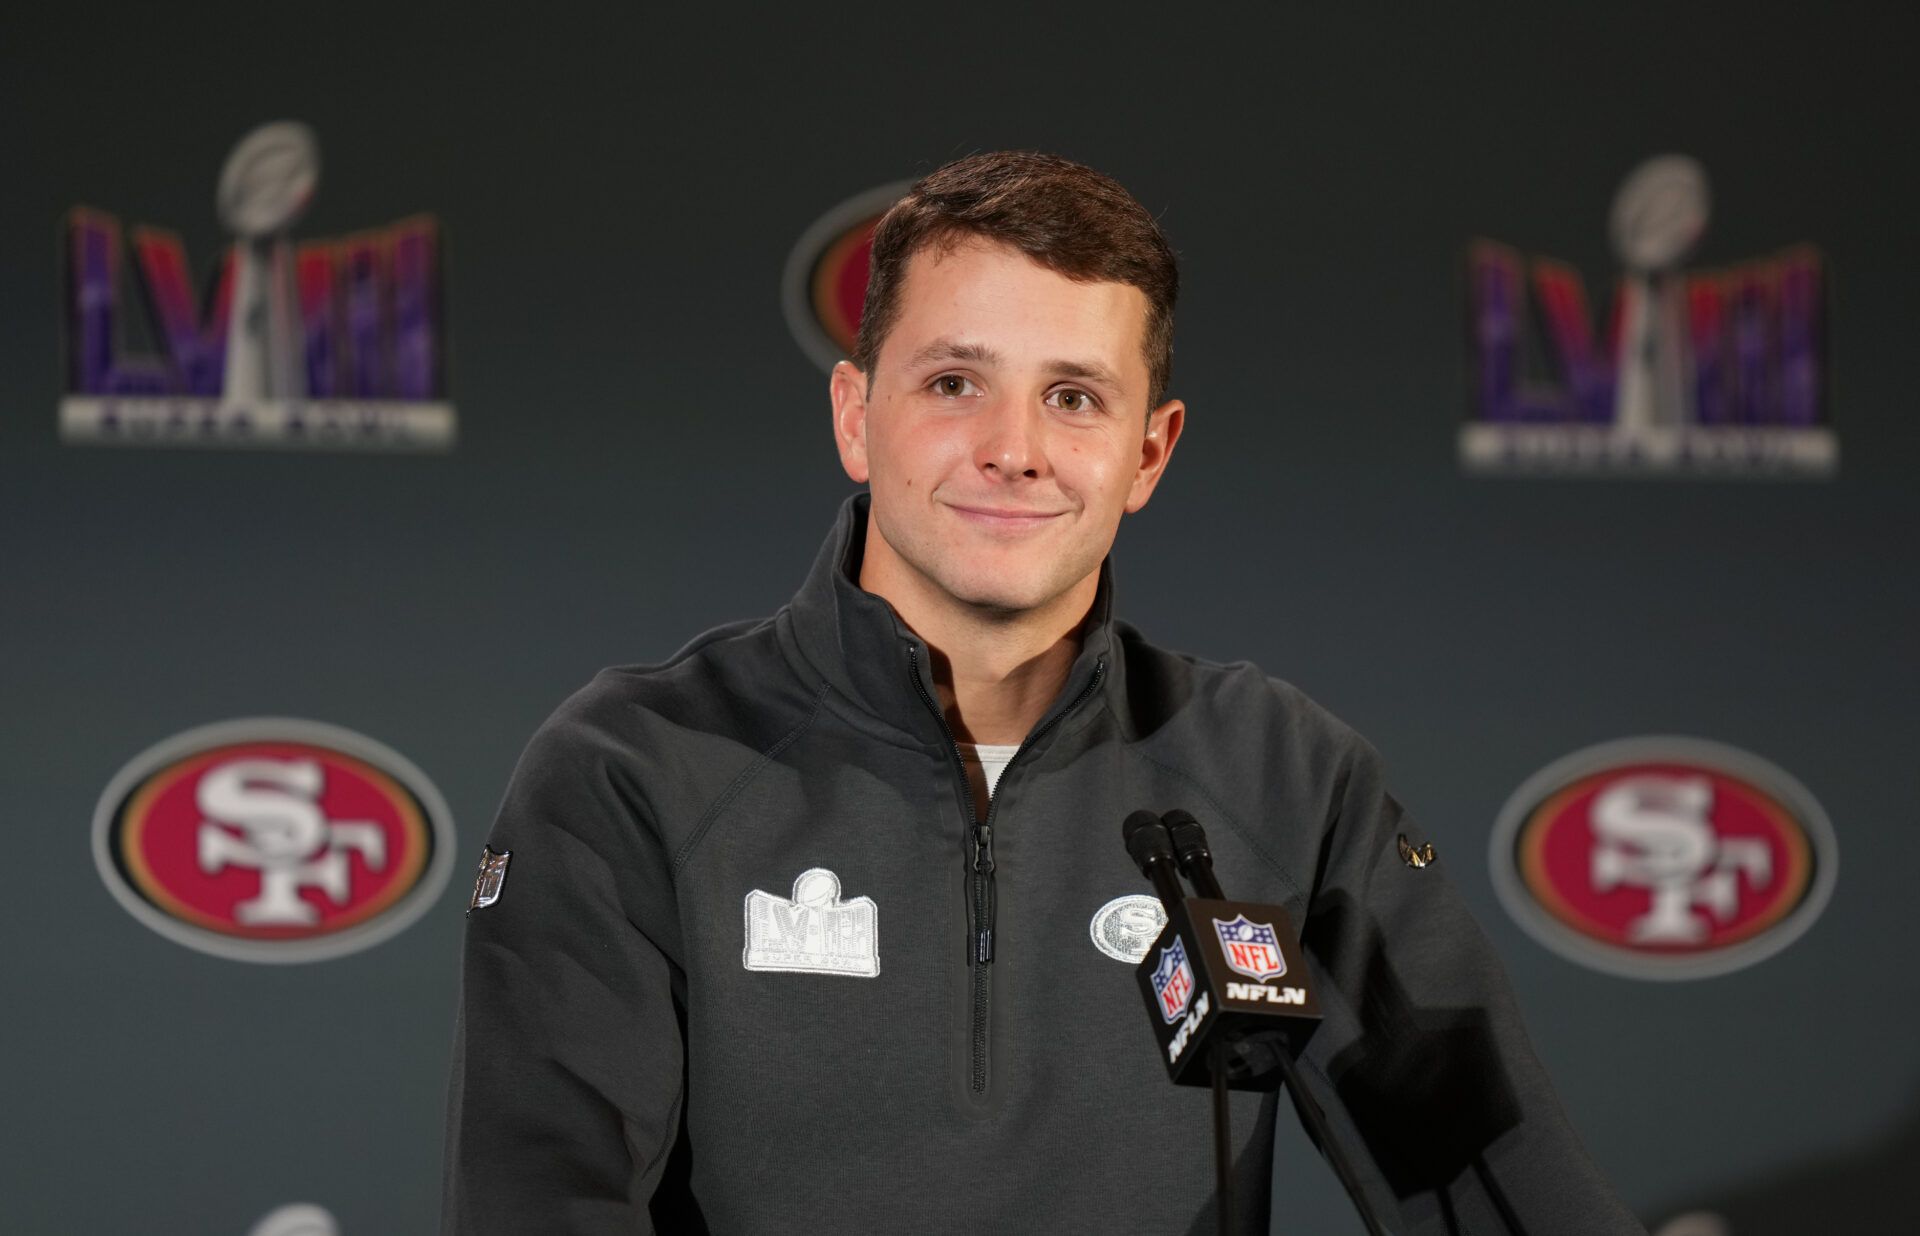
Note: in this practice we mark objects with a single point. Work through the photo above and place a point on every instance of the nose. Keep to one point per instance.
(1010, 445)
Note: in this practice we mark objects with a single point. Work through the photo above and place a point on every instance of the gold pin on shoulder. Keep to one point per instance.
(1415, 856)
(489, 879)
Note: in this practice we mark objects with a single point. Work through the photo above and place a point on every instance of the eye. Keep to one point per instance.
(1073, 399)
(953, 386)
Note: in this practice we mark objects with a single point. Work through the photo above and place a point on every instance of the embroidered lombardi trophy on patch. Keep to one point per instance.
(815, 932)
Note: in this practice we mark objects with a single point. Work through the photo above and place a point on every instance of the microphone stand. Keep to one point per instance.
(1317, 1127)
(1222, 1144)
(1196, 863)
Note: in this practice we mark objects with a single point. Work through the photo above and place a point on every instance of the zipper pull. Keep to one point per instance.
(983, 892)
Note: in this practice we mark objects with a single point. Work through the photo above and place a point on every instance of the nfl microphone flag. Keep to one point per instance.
(1227, 972)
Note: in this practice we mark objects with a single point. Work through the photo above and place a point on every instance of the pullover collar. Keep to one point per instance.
(855, 640)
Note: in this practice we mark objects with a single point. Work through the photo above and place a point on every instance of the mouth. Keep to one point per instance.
(1004, 519)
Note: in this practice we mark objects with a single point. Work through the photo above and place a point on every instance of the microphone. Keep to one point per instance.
(1151, 848)
(1190, 845)
(1226, 981)
(1231, 1001)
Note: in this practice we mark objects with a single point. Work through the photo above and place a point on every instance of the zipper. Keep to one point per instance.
(982, 947)
(980, 834)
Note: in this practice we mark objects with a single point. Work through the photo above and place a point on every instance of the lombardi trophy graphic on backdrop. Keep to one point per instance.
(264, 189)
(310, 342)
(1704, 371)
(1658, 216)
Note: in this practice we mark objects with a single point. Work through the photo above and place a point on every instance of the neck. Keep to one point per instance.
(996, 672)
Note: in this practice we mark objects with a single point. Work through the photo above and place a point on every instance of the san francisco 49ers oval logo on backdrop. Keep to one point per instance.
(273, 840)
(824, 287)
(1664, 858)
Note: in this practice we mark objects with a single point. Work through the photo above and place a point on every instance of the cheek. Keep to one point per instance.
(890, 465)
(1093, 466)
(921, 455)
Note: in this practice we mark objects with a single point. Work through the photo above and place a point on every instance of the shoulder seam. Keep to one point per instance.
(739, 783)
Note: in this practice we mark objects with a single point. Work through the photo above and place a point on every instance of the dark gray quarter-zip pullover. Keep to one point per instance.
(755, 965)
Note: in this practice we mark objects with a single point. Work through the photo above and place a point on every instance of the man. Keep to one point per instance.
(825, 922)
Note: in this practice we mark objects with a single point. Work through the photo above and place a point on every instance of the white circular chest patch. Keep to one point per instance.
(1126, 927)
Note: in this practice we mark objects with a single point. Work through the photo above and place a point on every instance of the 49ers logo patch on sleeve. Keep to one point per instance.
(273, 840)
(1664, 858)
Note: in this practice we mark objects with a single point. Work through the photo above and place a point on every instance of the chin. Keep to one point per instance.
(994, 596)
(995, 593)
(1002, 605)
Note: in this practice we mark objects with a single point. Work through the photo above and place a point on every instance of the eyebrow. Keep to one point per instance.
(1090, 371)
(980, 353)
(950, 349)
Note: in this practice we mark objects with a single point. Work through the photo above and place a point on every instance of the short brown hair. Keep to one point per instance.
(1067, 217)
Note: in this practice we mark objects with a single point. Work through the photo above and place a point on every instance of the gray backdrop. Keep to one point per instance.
(644, 452)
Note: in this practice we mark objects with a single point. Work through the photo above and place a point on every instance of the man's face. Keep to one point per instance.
(1005, 430)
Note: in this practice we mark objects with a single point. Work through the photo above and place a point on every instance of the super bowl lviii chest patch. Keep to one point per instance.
(814, 932)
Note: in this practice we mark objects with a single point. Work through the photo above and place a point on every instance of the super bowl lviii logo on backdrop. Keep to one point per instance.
(824, 286)
(273, 840)
(1664, 858)
(327, 343)
(1704, 372)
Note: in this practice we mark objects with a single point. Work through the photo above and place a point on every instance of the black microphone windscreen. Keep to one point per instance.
(1146, 838)
(1186, 832)
(1134, 823)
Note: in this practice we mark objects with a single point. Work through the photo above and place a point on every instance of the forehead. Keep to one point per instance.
(983, 291)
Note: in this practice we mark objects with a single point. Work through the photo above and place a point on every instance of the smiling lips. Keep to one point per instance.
(1004, 519)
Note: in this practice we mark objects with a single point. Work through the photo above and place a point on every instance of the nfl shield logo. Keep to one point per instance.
(1173, 981)
(1251, 948)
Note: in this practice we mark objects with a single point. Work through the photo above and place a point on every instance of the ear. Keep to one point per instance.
(848, 390)
(1164, 424)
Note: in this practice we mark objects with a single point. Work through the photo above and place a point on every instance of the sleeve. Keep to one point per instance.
(1424, 1054)
(567, 1077)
